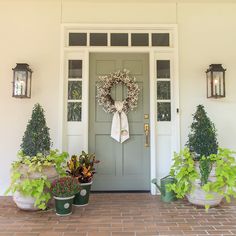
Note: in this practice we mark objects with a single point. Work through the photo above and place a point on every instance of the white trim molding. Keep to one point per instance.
(80, 129)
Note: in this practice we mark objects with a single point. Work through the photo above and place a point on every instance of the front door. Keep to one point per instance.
(125, 166)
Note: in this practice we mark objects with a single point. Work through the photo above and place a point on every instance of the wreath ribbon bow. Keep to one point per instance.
(120, 125)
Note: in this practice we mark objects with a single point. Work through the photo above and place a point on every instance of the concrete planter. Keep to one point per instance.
(24, 202)
(198, 195)
(27, 202)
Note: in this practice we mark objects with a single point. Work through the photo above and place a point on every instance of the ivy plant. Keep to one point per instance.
(36, 187)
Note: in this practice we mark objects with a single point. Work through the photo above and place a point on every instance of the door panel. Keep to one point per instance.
(123, 166)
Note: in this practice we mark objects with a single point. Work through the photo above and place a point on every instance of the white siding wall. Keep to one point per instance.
(30, 32)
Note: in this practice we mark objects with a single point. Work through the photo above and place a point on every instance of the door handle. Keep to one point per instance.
(146, 131)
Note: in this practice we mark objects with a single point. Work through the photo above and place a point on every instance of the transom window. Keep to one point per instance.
(116, 39)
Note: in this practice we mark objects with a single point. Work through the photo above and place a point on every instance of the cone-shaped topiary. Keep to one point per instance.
(202, 138)
(36, 138)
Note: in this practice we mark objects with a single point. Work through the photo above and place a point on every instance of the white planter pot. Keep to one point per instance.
(198, 196)
(23, 202)
(27, 202)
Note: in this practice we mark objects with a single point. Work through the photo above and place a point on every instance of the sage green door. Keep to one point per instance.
(126, 166)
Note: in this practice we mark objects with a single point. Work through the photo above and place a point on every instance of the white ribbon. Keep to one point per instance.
(120, 125)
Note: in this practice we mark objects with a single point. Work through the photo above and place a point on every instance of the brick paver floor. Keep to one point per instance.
(126, 214)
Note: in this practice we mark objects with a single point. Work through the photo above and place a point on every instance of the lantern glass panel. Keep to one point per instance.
(217, 83)
(29, 85)
(20, 83)
(209, 85)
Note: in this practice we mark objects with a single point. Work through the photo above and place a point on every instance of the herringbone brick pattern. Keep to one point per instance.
(125, 214)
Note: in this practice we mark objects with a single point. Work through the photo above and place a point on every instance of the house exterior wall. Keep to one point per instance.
(30, 32)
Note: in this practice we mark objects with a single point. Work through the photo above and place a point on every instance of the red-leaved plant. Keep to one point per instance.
(65, 187)
(82, 167)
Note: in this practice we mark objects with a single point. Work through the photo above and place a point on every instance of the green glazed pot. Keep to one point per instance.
(64, 205)
(82, 197)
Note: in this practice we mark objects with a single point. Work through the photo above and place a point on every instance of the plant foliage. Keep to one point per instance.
(202, 142)
(36, 187)
(36, 138)
(205, 166)
(185, 173)
(65, 187)
(82, 167)
(183, 170)
(202, 138)
(225, 183)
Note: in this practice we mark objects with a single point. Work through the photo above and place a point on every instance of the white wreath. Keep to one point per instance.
(105, 85)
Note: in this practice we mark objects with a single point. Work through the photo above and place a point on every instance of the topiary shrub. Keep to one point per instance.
(202, 142)
(202, 138)
(36, 138)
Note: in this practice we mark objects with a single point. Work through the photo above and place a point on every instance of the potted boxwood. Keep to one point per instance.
(82, 167)
(205, 174)
(63, 191)
(37, 166)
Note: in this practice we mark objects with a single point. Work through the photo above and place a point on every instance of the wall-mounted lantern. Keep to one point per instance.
(215, 76)
(22, 76)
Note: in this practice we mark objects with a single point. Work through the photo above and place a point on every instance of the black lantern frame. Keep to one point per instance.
(22, 77)
(215, 78)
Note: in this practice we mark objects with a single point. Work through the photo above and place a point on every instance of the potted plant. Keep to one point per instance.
(63, 191)
(37, 166)
(82, 167)
(204, 172)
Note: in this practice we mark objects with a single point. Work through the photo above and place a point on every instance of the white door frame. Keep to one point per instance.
(154, 53)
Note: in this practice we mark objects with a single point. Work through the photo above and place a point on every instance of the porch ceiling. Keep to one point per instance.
(155, 1)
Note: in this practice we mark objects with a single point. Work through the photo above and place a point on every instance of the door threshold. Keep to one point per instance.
(122, 191)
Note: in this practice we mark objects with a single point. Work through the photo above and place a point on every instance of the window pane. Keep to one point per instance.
(75, 90)
(163, 90)
(163, 111)
(75, 68)
(119, 39)
(74, 111)
(77, 39)
(163, 69)
(161, 39)
(98, 39)
(139, 39)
